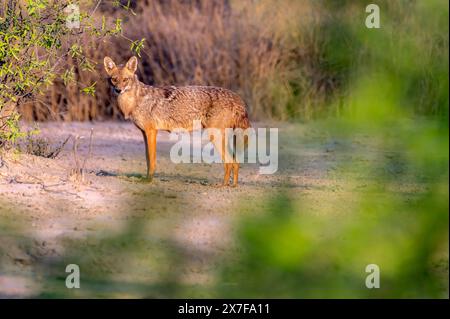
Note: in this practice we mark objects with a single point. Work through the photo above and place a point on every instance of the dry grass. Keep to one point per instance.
(42, 147)
(257, 49)
(78, 173)
(288, 59)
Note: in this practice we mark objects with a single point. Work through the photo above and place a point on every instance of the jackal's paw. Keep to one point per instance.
(220, 185)
(148, 179)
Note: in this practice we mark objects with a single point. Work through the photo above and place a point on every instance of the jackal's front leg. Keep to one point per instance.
(150, 151)
(147, 158)
(150, 137)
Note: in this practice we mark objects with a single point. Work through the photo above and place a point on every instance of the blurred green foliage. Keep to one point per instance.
(393, 74)
(409, 51)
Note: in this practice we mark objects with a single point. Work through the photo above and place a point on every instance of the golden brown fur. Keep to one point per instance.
(167, 108)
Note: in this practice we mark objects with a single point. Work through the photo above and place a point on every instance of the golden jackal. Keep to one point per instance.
(168, 108)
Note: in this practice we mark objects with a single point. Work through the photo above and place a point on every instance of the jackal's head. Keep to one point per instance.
(121, 77)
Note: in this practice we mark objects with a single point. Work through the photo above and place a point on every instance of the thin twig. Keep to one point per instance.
(96, 7)
(75, 155)
(90, 149)
(59, 149)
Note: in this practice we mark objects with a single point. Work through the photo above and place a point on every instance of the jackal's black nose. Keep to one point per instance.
(116, 90)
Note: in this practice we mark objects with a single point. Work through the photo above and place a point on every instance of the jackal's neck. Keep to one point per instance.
(137, 93)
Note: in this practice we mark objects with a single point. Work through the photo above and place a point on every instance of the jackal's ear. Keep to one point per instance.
(109, 64)
(132, 64)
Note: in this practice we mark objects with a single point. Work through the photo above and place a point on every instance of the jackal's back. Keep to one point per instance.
(171, 107)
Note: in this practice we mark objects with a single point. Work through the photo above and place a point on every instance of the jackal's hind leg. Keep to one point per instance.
(222, 149)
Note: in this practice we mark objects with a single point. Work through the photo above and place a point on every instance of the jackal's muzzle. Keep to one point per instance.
(114, 89)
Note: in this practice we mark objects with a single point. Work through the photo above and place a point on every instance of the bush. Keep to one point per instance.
(35, 38)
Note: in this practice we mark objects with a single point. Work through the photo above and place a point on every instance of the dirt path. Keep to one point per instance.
(131, 231)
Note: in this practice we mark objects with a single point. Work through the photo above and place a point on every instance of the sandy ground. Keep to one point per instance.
(128, 230)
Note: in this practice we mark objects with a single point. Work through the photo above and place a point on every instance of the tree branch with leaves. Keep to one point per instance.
(36, 38)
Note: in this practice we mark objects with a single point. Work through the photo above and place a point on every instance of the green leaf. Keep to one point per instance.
(89, 90)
